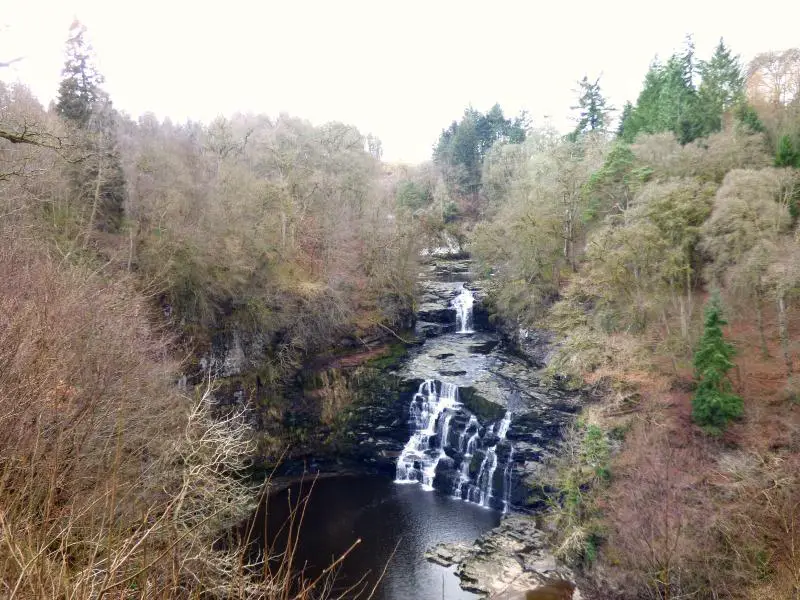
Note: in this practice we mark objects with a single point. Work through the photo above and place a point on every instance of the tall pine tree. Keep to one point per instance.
(80, 90)
(721, 87)
(593, 113)
(98, 179)
(668, 100)
(714, 403)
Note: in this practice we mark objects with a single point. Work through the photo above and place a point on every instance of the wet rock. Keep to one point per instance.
(510, 559)
(433, 313)
(428, 330)
(485, 410)
(448, 554)
(485, 347)
(454, 373)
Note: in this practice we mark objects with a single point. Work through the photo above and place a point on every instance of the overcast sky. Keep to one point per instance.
(401, 70)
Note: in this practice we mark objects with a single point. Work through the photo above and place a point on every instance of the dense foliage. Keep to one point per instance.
(612, 241)
(128, 245)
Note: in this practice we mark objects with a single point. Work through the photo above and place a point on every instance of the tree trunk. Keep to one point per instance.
(95, 203)
(783, 331)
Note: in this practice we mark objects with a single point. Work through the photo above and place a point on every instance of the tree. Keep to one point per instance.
(668, 100)
(752, 212)
(611, 188)
(98, 180)
(787, 156)
(721, 88)
(80, 89)
(463, 146)
(714, 404)
(593, 114)
(374, 146)
(625, 122)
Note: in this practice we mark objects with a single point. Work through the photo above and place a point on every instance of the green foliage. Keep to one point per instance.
(748, 117)
(98, 181)
(612, 187)
(463, 146)
(582, 468)
(714, 404)
(722, 87)
(625, 123)
(596, 452)
(787, 155)
(593, 114)
(79, 90)
(412, 195)
(669, 100)
(639, 260)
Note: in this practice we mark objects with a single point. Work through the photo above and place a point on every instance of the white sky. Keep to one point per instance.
(402, 70)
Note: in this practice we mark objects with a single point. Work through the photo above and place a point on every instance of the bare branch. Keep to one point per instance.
(8, 63)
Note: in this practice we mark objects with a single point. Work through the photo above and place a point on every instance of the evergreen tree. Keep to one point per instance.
(748, 117)
(668, 100)
(98, 178)
(593, 113)
(721, 87)
(625, 123)
(787, 155)
(714, 403)
(463, 146)
(79, 91)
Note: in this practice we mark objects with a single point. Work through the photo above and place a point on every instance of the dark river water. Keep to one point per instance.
(396, 523)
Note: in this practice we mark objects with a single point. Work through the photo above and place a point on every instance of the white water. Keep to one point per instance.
(432, 410)
(418, 461)
(467, 447)
(507, 480)
(483, 490)
(463, 304)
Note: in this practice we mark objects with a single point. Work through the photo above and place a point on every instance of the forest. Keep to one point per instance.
(659, 241)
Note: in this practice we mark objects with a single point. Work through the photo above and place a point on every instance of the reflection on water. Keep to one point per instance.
(387, 518)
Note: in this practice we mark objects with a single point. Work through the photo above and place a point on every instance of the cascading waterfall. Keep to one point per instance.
(463, 442)
(482, 492)
(432, 410)
(463, 304)
(466, 446)
(418, 461)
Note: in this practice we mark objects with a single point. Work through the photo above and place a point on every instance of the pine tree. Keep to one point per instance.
(668, 100)
(787, 155)
(625, 123)
(721, 88)
(98, 178)
(714, 403)
(593, 113)
(79, 91)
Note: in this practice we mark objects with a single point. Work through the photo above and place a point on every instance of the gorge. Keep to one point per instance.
(477, 421)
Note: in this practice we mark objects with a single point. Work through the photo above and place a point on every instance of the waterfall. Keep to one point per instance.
(431, 411)
(482, 492)
(472, 424)
(466, 447)
(463, 305)
(507, 480)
